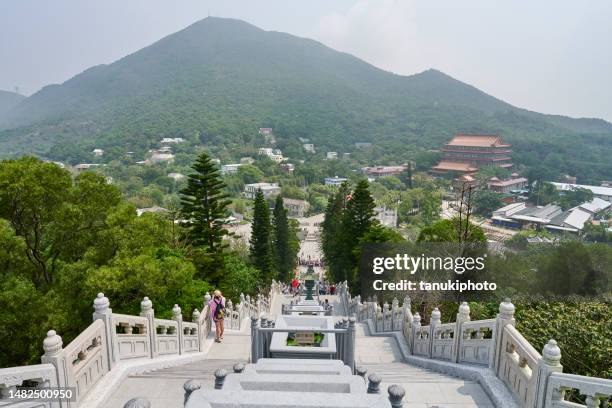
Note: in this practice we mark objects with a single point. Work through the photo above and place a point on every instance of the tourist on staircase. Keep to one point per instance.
(217, 310)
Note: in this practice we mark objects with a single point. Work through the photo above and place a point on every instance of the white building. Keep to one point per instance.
(386, 216)
(334, 181)
(309, 147)
(159, 157)
(230, 168)
(265, 151)
(332, 155)
(172, 140)
(247, 160)
(605, 193)
(176, 176)
(268, 189)
(97, 152)
(157, 210)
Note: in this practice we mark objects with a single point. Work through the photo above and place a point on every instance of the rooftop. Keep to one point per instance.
(463, 139)
(454, 166)
(597, 190)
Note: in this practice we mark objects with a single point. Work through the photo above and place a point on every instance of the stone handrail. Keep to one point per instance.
(114, 337)
(536, 381)
(596, 390)
(43, 375)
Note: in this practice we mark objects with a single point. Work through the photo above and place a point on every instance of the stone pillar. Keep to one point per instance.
(361, 371)
(102, 311)
(462, 316)
(350, 344)
(177, 316)
(254, 339)
(385, 314)
(396, 395)
(195, 317)
(416, 324)
(394, 313)
(53, 355)
(435, 321)
(504, 317)
(189, 387)
(220, 375)
(238, 368)
(146, 310)
(374, 381)
(548, 364)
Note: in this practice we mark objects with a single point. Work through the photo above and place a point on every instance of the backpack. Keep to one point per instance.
(219, 310)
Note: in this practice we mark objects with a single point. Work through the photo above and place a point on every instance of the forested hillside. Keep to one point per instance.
(217, 80)
(8, 100)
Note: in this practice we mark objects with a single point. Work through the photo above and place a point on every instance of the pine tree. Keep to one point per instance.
(356, 221)
(284, 254)
(261, 248)
(204, 205)
(331, 234)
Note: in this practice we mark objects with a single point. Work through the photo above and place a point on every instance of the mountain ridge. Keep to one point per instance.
(221, 78)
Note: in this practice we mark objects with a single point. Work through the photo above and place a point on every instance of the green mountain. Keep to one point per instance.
(218, 80)
(8, 100)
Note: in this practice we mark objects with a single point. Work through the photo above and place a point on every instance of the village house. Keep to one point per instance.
(309, 147)
(287, 167)
(334, 181)
(230, 168)
(507, 186)
(268, 189)
(97, 152)
(332, 155)
(296, 208)
(605, 193)
(171, 140)
(382, 171)
(176, 176)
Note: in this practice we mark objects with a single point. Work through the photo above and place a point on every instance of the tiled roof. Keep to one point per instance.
(454, 166)
(461, 139)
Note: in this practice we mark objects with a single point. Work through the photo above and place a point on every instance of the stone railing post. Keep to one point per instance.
(433, 323)
(374, 381)
(102, 311)
(548, 364)
(462, 316)
(146, 310)
(396, 395)
(189, 387)
(416, 324)
(53, 355)
(195, 318)
(379, 317)
(350, 344)
(386, 315)
(394, 313)
(504, 317)
(254, 339)
(177, 316)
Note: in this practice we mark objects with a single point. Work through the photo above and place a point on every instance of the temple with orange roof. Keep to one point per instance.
(466, 153)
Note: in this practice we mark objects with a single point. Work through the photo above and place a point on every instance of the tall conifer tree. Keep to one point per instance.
(261, 248)
(204, 206)
(331, 233)
(283, 252)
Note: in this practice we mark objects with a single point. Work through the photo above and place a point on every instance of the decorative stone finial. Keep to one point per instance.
(416, 319)
(361, 371)
(138, 403)
(207, 297)
(101, 303)
(464, 308)
(242, 298)
(396, 395)
(189, 387)
(506, 309)
(220, 375)
(146, 306)
(52, 343)
(435, 316)
(551, 353)
(176, 311)
(195, 316)
(238, 368)
(374, 381)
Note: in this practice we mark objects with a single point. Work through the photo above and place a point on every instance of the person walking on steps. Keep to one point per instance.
(217, 311)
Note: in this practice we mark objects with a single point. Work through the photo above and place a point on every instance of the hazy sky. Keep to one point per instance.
(552, 56)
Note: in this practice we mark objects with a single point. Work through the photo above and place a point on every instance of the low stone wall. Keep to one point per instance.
(113, 338)
(534, 380)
